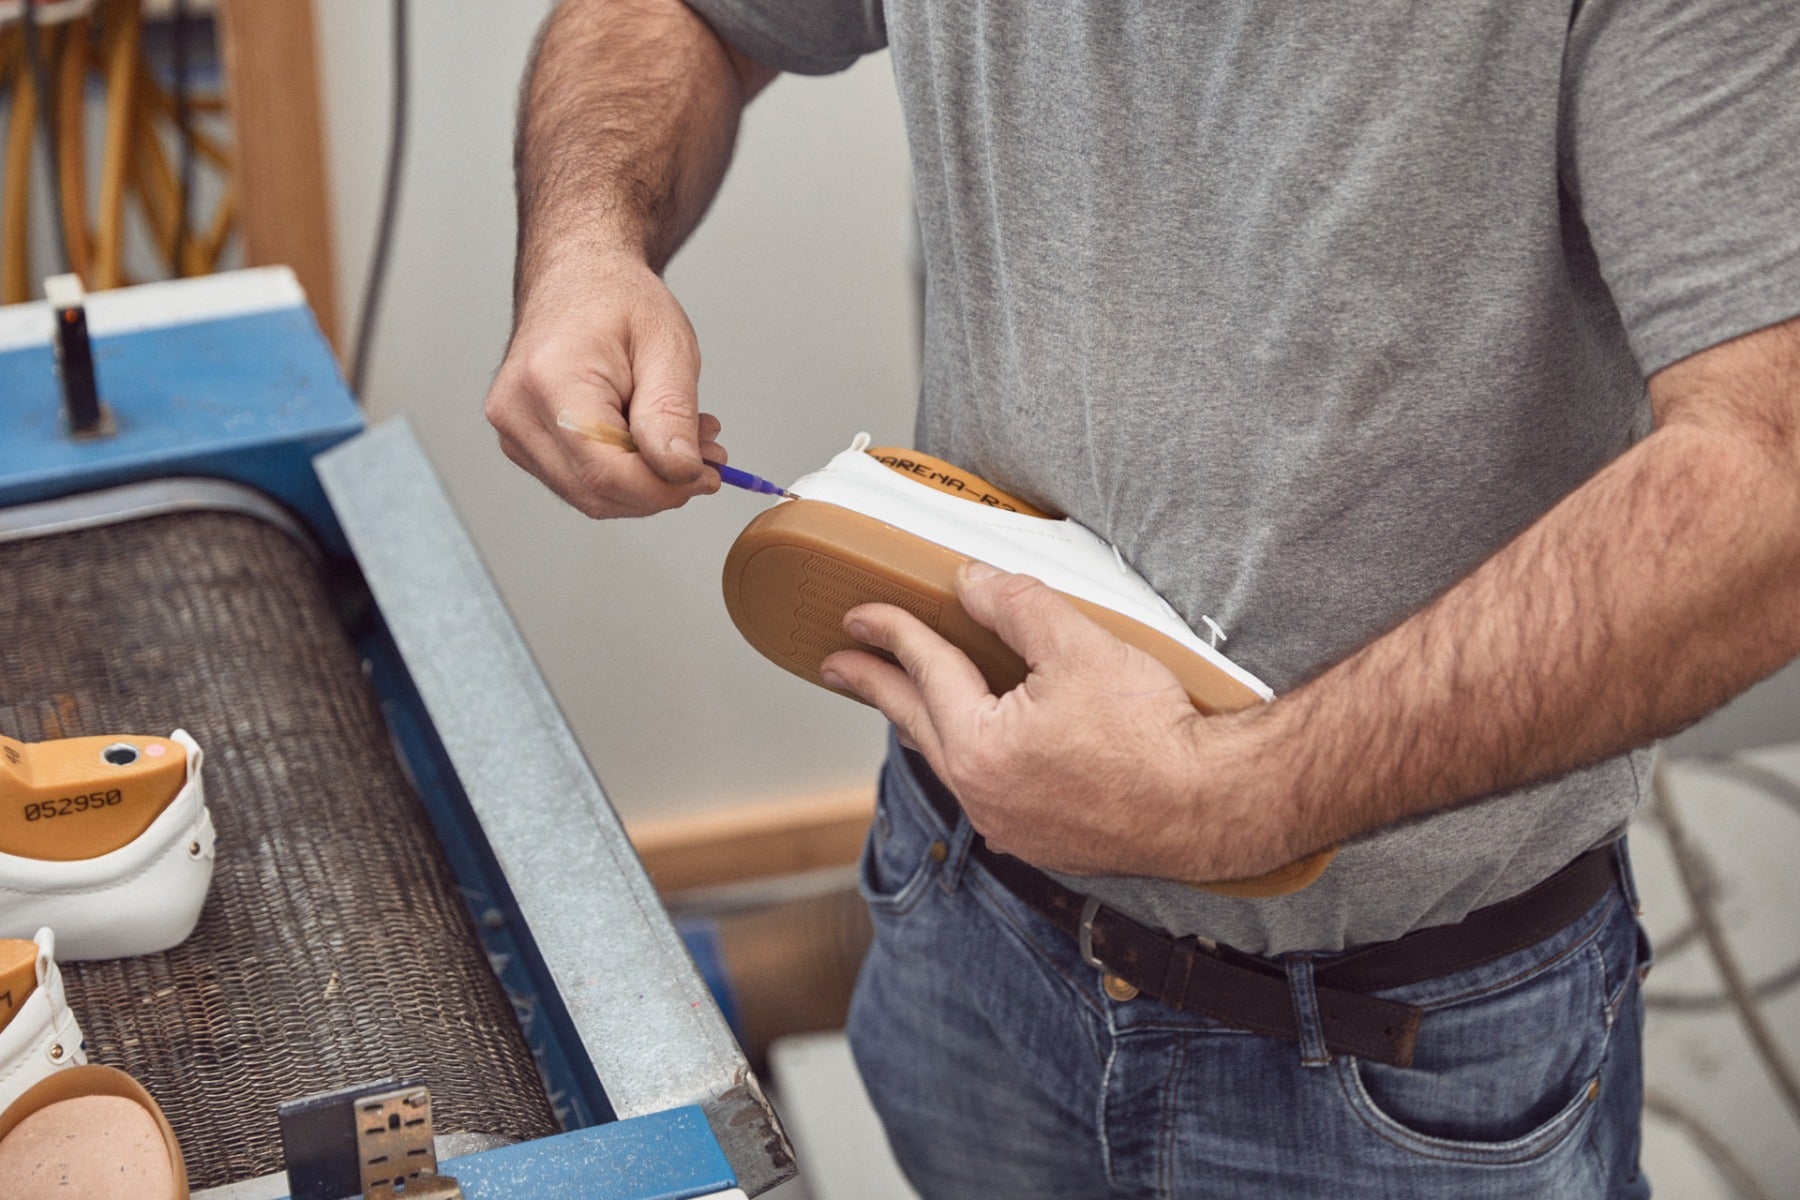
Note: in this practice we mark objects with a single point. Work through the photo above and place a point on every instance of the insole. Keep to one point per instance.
(87, 1148)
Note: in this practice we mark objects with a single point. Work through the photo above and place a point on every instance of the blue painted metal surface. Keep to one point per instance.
(252, 398)
(670, 1155)
(248, 398)
(576, 1092)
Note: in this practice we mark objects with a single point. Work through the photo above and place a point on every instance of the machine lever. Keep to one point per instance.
(87, 417)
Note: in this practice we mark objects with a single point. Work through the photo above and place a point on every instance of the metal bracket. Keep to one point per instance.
(394, 1147)
(372, 1140)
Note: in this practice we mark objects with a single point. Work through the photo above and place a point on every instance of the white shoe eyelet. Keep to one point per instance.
(56, 1052)
(195, 850)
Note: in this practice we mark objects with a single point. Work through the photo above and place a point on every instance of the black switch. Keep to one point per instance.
(87, 417)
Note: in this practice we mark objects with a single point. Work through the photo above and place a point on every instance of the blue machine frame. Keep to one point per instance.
(229, 378)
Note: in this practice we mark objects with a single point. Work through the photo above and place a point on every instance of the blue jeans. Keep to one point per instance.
(1000, 1068)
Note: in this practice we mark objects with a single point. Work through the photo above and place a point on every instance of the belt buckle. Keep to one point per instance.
(1090, 908)
(1117, 987)
(1084, 940)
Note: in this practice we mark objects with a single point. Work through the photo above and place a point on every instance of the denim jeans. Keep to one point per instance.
(1000, 1068)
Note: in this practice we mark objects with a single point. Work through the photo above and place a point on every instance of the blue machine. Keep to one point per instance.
(228, 378)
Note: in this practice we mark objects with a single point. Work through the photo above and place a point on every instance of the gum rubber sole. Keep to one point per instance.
(799, 567)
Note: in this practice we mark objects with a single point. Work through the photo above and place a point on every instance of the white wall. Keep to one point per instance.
(799, 285)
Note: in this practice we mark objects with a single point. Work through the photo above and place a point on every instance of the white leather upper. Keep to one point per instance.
(141, 898)
(43, 1035)
(1062, 553)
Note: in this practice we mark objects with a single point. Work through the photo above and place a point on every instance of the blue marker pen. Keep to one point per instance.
(744, 479)
(624, 441)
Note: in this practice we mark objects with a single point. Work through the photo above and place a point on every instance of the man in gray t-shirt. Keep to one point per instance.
(1348, 325)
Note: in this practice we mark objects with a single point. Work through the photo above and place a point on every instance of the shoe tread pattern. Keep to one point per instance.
(799, 567)
(828, 589)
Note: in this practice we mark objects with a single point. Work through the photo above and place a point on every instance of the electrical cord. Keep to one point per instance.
(1723, 1158)
(40, 83)
(1774, 787)
(1691, 875)
(184, 130)
(390, 203)
(1783, 791)
(1700, 1002)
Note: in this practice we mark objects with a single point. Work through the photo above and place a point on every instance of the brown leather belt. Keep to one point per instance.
(1249, 992)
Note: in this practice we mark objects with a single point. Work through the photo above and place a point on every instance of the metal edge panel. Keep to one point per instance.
(645, 1018)
(151, 498)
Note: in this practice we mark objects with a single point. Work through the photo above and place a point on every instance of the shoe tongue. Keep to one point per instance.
(952, 481)
(18, 976)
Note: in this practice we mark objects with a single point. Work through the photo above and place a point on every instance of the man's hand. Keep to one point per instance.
(629, 115)
(1096, 764)
(1654, 592)
(613, 349)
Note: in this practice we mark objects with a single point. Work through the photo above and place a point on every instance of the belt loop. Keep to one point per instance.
(961, 838)
(1306, 1011)
(1622, 861)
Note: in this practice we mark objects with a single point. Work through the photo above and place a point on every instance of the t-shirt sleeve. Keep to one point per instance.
(1680, 143)
(808, 37)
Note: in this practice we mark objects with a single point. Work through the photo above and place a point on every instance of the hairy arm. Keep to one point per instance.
(629, 114)
(1660, 588)
(626, 125)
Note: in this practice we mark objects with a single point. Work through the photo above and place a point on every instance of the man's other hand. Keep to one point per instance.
(1096, 764)
(611, 348)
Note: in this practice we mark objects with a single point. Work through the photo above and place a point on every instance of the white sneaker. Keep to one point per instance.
(115, 864)
(38, 1033)
(894, 525)
(862, 530)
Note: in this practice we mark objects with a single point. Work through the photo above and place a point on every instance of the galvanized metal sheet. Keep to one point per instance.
(644, 1017)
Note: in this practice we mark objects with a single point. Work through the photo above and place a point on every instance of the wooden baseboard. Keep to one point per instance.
(754, 841)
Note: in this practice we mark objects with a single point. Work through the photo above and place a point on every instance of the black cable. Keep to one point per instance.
(184, 128)
(390, 203)
(40, 83)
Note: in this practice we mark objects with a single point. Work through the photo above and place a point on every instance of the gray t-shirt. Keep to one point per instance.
(1309, 308)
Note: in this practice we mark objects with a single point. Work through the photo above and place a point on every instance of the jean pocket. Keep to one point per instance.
(1504, 1077)
(897, 861)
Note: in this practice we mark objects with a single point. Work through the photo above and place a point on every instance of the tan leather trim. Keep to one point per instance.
(941, 476)
(18, 975)
(799, 567)
(61, 800)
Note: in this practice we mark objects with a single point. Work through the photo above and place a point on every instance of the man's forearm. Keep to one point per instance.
(625, 129)
(1655, 592)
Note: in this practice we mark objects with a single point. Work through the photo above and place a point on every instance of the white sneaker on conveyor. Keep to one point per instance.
(106, 840)
(893, 526)
(38, 1033)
